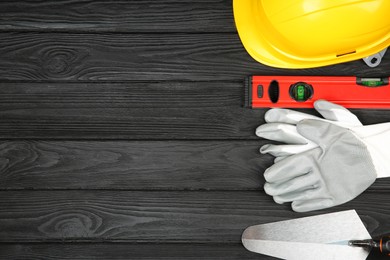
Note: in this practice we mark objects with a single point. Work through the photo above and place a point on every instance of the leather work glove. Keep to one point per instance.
(342, 162)
(281, 127)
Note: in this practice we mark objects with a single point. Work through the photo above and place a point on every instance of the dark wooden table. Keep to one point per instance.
(123, 134)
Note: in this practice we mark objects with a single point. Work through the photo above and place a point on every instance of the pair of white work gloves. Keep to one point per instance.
(326, 161)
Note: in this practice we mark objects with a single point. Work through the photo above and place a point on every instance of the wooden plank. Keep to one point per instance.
(138, 165)
(142, 165)
(146, 57)
(203, 110)
(122, 216)
(131, 124)
(133, 111)
(126, 251)
(133, 251)
(121, 95)
(169, 110)
(118, 16)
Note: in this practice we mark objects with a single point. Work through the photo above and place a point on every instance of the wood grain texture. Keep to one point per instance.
(75, 110)
(118, 16)
(121, 95)
(146, 57)
(124, 251)
(186, 217)
(133, 111)
(142, 165)
(139, 165)
(204, 110)
(123, 134)
(130, 124)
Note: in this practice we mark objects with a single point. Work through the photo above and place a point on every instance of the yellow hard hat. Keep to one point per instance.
(312, 33)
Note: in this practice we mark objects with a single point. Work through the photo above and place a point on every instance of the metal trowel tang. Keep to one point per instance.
(322, 237)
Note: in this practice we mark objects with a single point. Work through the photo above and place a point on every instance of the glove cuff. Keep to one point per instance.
(377, 139)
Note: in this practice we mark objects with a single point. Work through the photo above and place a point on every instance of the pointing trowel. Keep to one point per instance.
(336, 236)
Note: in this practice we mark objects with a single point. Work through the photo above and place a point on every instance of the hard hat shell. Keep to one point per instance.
(312, 33)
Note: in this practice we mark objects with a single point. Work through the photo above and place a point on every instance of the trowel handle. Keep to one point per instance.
(384, 245)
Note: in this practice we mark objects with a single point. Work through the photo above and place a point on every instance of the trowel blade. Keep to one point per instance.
(320, 237)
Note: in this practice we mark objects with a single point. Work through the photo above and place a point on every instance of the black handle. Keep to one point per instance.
(384, 245)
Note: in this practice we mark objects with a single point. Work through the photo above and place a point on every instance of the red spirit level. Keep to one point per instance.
(302, 91)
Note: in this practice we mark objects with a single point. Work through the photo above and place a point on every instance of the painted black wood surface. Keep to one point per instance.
(123, 136)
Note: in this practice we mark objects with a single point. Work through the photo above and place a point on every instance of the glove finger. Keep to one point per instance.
(279, 158)
(286, 150)
(280, 132)
(309, 205)
(336, 113)
(280, 115)
(308, 194)
(291, 167)
(298, 184)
